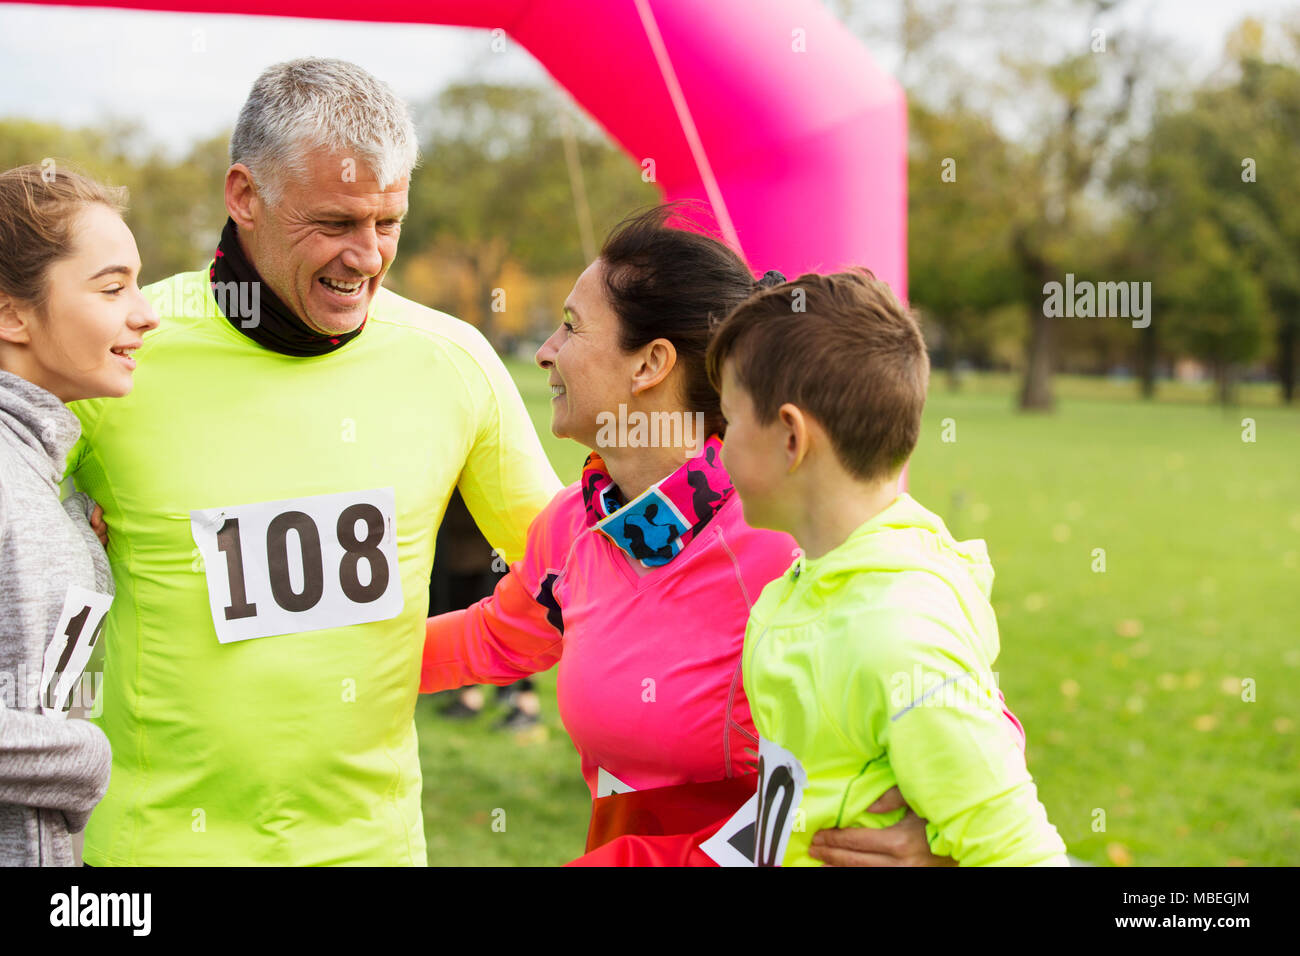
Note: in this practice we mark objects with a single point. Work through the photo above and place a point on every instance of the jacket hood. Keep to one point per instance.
(908, 537)
(39, 425)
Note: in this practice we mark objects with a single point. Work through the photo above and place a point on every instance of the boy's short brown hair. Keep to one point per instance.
(842, 349)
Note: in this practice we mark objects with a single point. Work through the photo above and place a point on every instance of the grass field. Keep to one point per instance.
(1159, 694)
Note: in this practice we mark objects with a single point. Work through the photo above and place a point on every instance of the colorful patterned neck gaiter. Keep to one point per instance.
(657, 524)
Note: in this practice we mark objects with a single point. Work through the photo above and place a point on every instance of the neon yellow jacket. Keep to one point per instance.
(872, 665)
(297, 747)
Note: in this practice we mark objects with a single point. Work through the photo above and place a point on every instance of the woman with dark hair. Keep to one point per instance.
(71, 318)
(638, 578)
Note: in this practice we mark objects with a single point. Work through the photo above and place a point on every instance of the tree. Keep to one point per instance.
(1063, 87)
(1216, 221)
(1087, 97)
(175, 207)
(494, 186)
(961, 173)
(1265, 220)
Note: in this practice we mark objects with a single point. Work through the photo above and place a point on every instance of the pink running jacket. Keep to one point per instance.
(649, 682)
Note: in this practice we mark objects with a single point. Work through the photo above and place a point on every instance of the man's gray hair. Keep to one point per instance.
(315, 103)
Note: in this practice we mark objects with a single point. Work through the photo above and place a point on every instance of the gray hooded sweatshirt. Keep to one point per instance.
(52, 770)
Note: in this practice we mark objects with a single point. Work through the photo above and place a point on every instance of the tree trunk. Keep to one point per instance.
(1036, 393)
(1148, 362)
(491, 328)
(1225, 378)
(1286, 356)
(486, 264)
(1040, 351)
(953, 355)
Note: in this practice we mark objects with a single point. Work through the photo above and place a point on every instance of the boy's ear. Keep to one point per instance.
(13, 322)
(795, 430)
(658, 359)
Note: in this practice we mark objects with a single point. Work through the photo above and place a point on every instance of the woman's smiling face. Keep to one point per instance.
(589, 371)
(82, 343)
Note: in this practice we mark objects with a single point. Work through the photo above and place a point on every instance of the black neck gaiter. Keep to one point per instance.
(254, 310)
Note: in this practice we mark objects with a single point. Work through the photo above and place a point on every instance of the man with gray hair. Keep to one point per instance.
(273, 488)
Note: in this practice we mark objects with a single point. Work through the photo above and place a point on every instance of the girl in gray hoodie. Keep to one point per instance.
(71, 315)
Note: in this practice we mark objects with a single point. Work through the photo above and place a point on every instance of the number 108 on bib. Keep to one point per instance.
(301, 564)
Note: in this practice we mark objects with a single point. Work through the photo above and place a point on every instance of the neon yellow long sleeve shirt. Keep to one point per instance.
(872, 667)
(272, 521)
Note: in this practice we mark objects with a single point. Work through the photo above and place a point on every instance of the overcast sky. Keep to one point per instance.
(185, 75)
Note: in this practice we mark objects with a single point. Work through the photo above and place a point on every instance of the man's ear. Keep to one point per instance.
(242, 198)
(658, 359)
(13, 322)
(797, 432)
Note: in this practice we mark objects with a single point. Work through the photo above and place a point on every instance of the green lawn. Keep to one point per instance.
(1130, 680)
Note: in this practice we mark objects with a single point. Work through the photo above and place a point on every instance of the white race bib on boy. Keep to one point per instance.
(757, 834)
(80, 623)
(301, 564)
(781, 782)
(733, 844)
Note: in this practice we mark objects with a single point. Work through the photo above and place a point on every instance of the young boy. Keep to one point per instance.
(869, 663)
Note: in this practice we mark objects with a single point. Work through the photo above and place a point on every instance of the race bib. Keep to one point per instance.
(758, 833)
(80, 623)
(781, 782)
(301, 564)
(733, 844)
(607, 783)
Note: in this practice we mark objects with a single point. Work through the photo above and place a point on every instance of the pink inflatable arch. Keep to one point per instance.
(768, 110)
